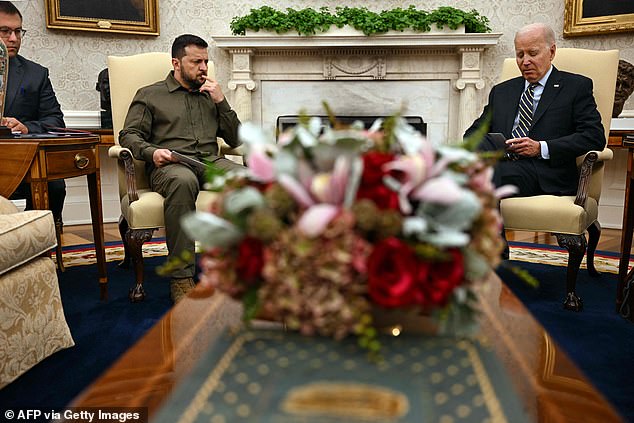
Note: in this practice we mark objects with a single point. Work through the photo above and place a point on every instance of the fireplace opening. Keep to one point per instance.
(284, 122)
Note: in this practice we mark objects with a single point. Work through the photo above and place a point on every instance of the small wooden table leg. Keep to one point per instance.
(94, 191)
(626, 238)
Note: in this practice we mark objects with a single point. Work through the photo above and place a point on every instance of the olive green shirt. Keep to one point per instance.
(167, 115)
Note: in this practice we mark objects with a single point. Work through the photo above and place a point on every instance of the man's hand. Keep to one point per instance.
(162, 157)
(524, 147)
(14, 125)
(212, 87)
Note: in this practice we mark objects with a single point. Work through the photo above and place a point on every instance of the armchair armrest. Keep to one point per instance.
(7, 207)
(125, 157)
(116, 150)
(584, 177)
(236, 151)
(225, 149)
(586, 164)
(602, 156)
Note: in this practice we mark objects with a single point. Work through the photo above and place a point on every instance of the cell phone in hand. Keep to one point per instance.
(499, 141)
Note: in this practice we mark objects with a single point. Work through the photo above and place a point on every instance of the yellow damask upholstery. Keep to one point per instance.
(569, 217)
(141, 208)
(32, 322)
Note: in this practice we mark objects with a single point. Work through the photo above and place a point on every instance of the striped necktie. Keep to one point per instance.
(526, 112)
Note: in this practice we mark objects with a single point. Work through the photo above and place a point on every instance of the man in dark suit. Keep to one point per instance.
(547, 117)
(565, 122)
(30, 103)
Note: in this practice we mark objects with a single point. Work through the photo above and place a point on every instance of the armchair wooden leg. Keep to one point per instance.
(135, 239)
(576, 246)
(59, 228)
(594, 233)
(123, 230)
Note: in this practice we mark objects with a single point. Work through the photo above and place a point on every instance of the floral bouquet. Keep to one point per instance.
(330, 223)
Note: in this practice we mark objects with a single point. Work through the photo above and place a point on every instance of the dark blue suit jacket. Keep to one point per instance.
(30, 97)
(566, 118)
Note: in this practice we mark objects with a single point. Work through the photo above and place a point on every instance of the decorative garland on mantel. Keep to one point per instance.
(309, 21)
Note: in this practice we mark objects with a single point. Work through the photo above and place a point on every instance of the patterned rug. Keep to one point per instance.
(605, 262)
(81, 255)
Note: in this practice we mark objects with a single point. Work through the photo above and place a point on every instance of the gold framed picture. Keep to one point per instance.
(121, 16)
(591, 17)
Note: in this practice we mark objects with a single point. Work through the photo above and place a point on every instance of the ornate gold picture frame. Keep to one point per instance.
(591, 17)
(121, 16)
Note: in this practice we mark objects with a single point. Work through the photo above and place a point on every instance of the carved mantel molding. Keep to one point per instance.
(455, 57)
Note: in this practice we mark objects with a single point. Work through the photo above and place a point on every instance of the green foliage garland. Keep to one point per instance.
(309, 21)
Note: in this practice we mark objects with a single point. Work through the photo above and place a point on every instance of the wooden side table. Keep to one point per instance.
(625, 287)
(106, 138)
(49, 158)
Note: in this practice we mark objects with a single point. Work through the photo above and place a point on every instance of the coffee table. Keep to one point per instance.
(550, 387)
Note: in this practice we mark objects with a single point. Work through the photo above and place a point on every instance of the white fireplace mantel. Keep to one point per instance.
(455, 58)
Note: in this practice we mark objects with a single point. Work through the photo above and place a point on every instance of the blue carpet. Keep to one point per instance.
(102, 332)
(597, 339)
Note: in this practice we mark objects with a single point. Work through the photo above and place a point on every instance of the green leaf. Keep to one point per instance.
(251, 304)
(210, 230)
(309, 21)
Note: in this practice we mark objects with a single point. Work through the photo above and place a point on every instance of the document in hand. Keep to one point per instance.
(197, 164)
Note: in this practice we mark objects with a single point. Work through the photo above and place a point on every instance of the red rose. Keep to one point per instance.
(442, 278)
(250, 260)
(372, 186)
(373, 162)
(392, 271)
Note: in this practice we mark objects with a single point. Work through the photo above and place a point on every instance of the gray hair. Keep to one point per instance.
(547, 32)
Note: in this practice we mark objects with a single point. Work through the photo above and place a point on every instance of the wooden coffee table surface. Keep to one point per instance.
(551, 388)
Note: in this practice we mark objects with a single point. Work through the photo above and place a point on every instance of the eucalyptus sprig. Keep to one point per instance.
(309, 21)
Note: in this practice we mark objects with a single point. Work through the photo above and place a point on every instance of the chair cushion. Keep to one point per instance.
(527, 214)
(33, 323)
(147, 211)
(25, 235)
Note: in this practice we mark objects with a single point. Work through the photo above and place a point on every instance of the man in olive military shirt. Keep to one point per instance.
(183, 113)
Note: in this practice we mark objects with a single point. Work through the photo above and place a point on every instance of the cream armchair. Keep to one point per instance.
(569, 217)
(141, 208)
(33, 323)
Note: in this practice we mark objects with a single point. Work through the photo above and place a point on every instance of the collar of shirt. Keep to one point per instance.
(173, 84)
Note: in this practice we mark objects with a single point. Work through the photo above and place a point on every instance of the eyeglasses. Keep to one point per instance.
(6, 32)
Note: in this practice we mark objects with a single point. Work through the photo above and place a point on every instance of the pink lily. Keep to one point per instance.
(441, 190)
(296, 190)
(261, 166)
(416, 169)
(315, 220)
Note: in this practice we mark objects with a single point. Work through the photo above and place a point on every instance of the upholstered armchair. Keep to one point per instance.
(141, 208)
(32, 322)
(570, 217)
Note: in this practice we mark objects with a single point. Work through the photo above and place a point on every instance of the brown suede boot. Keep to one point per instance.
(179, 287)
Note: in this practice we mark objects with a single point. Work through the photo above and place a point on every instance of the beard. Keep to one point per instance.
(194, 82)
